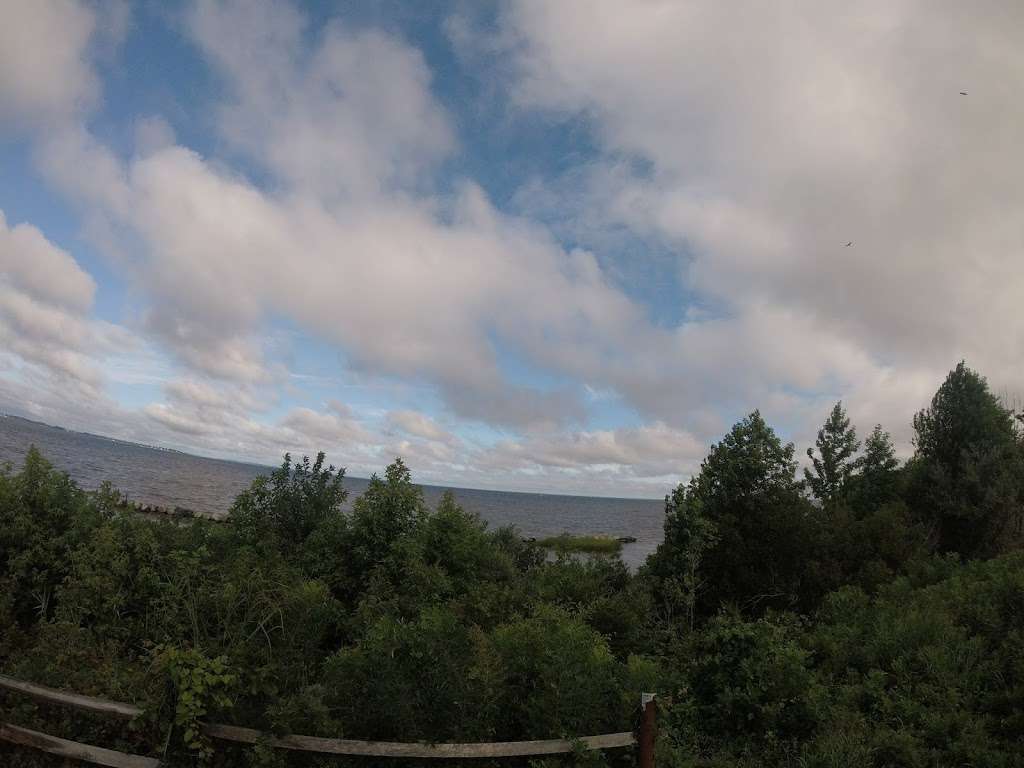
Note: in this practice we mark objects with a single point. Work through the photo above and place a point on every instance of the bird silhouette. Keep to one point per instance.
(963, 93)
(848, 244)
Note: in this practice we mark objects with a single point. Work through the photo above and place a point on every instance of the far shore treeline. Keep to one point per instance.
(864, 612)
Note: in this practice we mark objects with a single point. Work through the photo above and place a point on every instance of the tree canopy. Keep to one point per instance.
(967, 469)
(835, 462)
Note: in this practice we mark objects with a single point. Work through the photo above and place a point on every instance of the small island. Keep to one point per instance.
(597, 544)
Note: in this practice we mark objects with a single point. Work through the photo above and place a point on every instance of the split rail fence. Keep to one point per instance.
(14, 734)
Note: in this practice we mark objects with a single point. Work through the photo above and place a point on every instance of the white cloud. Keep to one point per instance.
(420, 425)
(221, 419)
(774, 136)
(31, 263)
(45, 81)
(327, 429)
(650, 451)
(218, 255)
(46, 329)
(352, 117)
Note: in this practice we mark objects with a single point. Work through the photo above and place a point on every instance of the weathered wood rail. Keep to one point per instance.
(73, 749)
(417, 749)
(73, 700)
(237, 734)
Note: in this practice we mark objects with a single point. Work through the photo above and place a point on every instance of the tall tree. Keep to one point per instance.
(739, 531)
(688, 535)
(967, 470)
(837, 445)
(874, 483)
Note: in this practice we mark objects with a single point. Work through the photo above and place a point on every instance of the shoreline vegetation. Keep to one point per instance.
(866, 611)
(564, 542)
(596, 544)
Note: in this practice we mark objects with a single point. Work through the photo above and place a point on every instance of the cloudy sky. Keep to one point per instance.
(556, 246)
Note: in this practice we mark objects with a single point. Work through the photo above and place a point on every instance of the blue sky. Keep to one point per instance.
(537, 246)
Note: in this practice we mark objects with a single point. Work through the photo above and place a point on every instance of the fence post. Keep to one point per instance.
(647, 724)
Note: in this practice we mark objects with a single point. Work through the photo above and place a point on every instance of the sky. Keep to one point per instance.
(543, 246)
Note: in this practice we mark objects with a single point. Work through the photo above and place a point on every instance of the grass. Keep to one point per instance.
(593, 544)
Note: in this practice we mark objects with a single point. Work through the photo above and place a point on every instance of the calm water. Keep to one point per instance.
(171, 479)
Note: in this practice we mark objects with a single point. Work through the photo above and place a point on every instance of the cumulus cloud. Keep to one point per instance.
(31, 263)
(47, 333)
(39, 82)
(650, 451)
(223, 419)
(420, 425)
(775, 136)
(329, 429)
(352, 117)
(218, 254)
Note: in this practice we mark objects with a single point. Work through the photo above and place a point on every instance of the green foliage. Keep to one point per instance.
(675, 568)
(928, 675)
(382, 519)
(968, 475)
(750, 680)
(776, 631)
(42, 516)
(413, 681)
(870, 549)
(291, 502)
(837, 444)
(740, 531)
(389, 621)
(876, 480)
(555, 676)
(200, 687)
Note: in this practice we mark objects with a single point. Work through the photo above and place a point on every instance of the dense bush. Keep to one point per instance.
(854, 621)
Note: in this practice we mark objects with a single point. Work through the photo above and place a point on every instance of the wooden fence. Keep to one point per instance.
(233, 733)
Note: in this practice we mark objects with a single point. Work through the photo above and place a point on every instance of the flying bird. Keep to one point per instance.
(848, 244)
(963, 93)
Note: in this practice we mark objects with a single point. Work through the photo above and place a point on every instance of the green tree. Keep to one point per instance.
(876, 479)
(412, 681)
(741, 531)
(837, 444)
(381, 525)
(751, 679)
(689, 533)
(291, 503)
(389, 508)
(967, 469)
(555, 675)
(43, 517)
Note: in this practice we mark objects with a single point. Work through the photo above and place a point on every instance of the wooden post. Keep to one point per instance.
(645, 740)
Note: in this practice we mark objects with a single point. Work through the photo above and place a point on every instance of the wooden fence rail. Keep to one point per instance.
(74, 700)
(233, 733)
(416, 749)
(73, 749)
